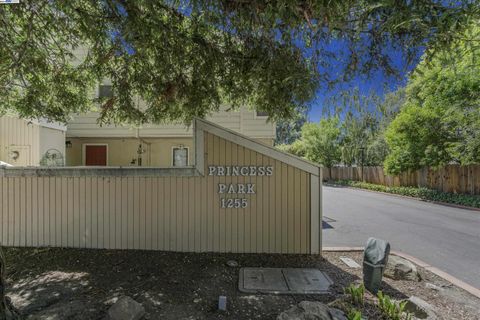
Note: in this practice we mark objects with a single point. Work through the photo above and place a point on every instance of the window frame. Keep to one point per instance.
(260, 116)
(173, 156)
(104, 85)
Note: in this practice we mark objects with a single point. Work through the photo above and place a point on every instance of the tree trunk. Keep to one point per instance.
(7, 311)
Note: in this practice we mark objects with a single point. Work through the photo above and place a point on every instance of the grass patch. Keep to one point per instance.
(421, 193)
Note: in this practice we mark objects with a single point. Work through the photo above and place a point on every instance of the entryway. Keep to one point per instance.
(95, 155)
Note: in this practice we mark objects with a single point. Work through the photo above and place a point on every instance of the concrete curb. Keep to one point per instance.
(352, 249)
(452, 205)
(442, 274)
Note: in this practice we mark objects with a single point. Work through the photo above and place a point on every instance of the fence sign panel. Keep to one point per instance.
(241, 196)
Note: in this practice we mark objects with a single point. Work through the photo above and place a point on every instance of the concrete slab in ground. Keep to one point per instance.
(301, 280)
(263, 279)
(350, 262)
(283, 281)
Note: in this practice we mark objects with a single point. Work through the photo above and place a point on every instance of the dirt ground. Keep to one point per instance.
(83, 284)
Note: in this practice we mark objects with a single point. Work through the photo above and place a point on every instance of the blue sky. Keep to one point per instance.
(376, 82)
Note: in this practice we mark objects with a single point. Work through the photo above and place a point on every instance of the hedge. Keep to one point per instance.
(421, 193)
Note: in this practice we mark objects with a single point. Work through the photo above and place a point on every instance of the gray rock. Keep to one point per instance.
(311, 310)
(401, 269)
(420, 308)
(126, 309)
(337, 314)
(433, 287)
(232, 263)
(72, 310)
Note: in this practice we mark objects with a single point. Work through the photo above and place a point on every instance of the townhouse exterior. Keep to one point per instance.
(83, 142)
(164, 145)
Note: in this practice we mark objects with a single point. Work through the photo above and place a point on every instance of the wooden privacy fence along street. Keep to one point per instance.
(241, 196)
(451, 178)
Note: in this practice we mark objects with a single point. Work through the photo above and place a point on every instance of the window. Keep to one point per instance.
(180, 157)
(262, 114)
(105, 91)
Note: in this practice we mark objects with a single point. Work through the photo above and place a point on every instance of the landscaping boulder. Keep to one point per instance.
(75, 309)
(420, 308)
(309, 310)
(401, 269)
(337, 314)
(126, 309)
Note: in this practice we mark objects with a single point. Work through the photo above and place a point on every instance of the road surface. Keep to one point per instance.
(444, 237)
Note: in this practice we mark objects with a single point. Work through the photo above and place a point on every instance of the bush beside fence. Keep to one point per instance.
(417, 192)
(451, 178)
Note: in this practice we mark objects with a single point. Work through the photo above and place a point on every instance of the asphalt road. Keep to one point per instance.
(445, 237)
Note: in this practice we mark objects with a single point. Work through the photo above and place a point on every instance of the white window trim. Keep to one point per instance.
(188, 155)
(84, 152)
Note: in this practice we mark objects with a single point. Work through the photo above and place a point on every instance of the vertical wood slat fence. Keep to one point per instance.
(166, 212)
(451, 178)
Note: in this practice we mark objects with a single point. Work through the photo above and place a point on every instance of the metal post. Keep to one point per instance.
(362, 151)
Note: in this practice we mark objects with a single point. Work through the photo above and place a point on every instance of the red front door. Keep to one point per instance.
(95, 155)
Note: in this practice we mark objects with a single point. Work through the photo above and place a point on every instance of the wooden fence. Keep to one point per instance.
(451, 178)
(172, 209)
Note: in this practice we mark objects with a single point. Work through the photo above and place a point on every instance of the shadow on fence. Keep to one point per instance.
(451, 178)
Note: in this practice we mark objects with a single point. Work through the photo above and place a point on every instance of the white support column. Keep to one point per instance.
(199, 143)
(320, 209)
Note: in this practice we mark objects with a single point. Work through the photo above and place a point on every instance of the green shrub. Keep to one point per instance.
(357, 293)
(354, 315)
(390, 309)
(421, 193)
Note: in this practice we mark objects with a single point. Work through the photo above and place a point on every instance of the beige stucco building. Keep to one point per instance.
(164, 145)
(151, 145)
(31, 142)
(82, 142)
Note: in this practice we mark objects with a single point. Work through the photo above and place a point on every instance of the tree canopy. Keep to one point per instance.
(364, 121)
(440, 120)
(352, 134)
(187, 58)
(289, 130)
(319, 142)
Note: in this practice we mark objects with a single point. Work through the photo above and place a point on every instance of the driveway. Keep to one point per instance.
(445, 237)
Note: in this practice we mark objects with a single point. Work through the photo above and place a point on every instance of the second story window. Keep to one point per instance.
(105, 91)
(261, 114)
